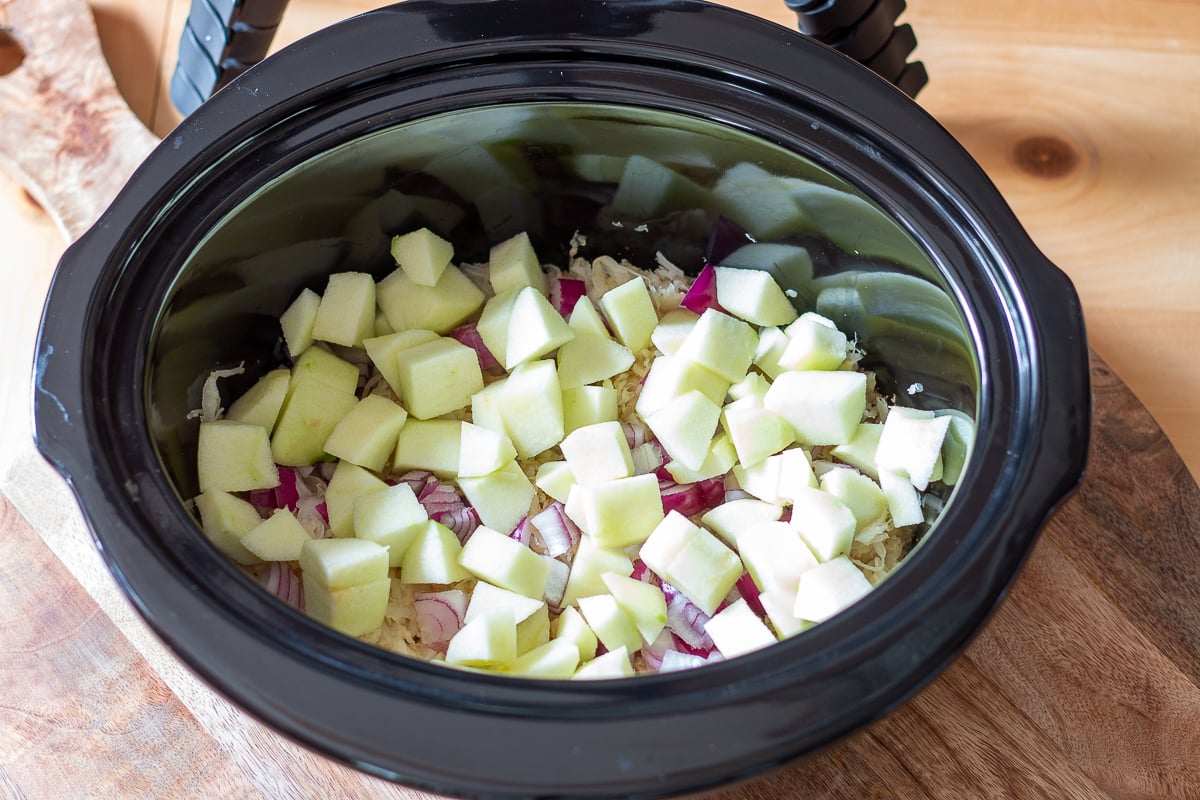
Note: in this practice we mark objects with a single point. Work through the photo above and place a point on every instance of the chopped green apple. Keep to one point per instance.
(630, 312)
(572, 628)
(795, 474)
(755, 432)
(814, 343)
(482, 451)
(590, 358)
(321, 366)
(598, 453)
(591, 562)
(434, 444)
(235, 457)
(904, 504)
(555, 479)
(860, 494)
(752, 387)
(825, 524)
(670, 377)
(423, 255)
(643, 602)
(349, 482)
(514, 264)
(554, 659)
(383, 349)
(720, 459)
(432, 557)
(780, 608)
(439, 308)
(534, 630)
(487, 599)
(613, 664)
(261, 405)
(612, 626)
(298, 320)
(588, 405)
(438, 377)
(353, 610)
(586, 319)
(530, 405)
(367, 435)
(736, 630)
(774, 555)
(494, 557)
(494, 322)
(753, 295)
(960, 436)
(502, 498)
(621, 512)
(686, 427)
(692, 560)
(720, 343)
(346, 314)
(225, 519)
(309, 415)
(772, 342)
(277, 538)
(534, 328)
(341, 563)
(829, 588)
(824, 408)
(487, 640)
(859, 452)
(733, 516)
(672, 328)
(390, 517)
(911, 443)
(791, 265)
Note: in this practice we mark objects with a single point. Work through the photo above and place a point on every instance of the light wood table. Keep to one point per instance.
(1085, 113)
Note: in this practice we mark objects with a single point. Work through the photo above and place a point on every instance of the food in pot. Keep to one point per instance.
(590, 472)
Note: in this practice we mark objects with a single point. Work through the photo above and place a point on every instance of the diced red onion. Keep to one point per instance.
(749, 591)
(323, 510)
(469, 335)
(686, 621)
(417, 480)
(653, 653)
(641, 572)
(439, 615)
(702, 295)
(287, 494)
(726, 237)
(325, 470)
(280, 581)
(635, 433)
(462, 520)
(647, 457)
(712, 492)
(565, 293)
(523, 533)
(786, 516)
(685, 498)
(557, 532)
(313, 515)
(440, 498)
(675, 660)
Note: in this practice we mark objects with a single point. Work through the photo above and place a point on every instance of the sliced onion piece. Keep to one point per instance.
(686, 621)
(565, 293)
(462, 520)
(702, 295)
(653, 653)
(749, 591)
(523, 533)
(469, 335)
(557, 532)
(647, 457)
(439, 616)
(280, 581)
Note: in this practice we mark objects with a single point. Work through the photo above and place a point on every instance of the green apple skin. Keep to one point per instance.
(298, 320)
(262, 403)
(494, 557)
(346, 314)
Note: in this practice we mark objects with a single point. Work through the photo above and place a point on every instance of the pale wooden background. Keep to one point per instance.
(1117, 83)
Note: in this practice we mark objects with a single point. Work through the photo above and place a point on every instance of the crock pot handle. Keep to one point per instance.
(866, 31)
(221, 39)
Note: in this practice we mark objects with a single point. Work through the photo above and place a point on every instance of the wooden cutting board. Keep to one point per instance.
(1086, 683)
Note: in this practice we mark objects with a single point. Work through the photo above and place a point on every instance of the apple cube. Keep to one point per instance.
(753, 387)
(589, 358)
(432, 557)
(367, 435)
(775, 556)
(648, 188)
(795, 474)
(780, 608)
(487, 599)
(612, 626)
(588, 405)
(225, 519)
(621, 512)
(353, 610)
(434, 444)
(502, 498)
(720, 343)
(860, 451)
(346, 314)
(390, 517)
(298, 320)
(383, 350)
(613, 664)
(778, 478)
(720, 459)
(586, 319)
(277, 538)
(487, 640)
(555, 478)
(588, 568)
(440, 308)
(755, 432)
(423, 255)
(482, 451)
(340, 563)
(829, 588)
(530, 404)
(735, 516)
(631, 313)
(670, 377)
(533, 631)
(692, 560)
(262, 403)
(904, 504)
(493, 324)
(911, 443)
(534, 329)
(349, 482)
(642, 602)
(672, 328)
(736, 630)
(791, 265)
(753, 295)
(235, 457)
(814, 343)
(960, 436)
(438, 377)
(571, 627)
(309, 415)
(860, 494)
(317, 365)
(504, 562)
(513, 264)
(485, 408)
(382, 328)
(554, 659)
(685, 429)
(759, 202)
(824, 408)
(772, 342)
(825, 524)
(598, 453)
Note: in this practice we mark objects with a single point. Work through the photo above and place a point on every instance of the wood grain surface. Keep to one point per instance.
(1086, 683)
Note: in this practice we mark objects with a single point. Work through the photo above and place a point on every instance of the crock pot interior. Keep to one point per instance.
(477, 176)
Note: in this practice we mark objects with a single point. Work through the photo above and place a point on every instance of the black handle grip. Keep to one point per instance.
(866, 31)
(221, 39)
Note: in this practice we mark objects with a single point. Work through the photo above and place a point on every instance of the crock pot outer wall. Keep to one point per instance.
(490, 736)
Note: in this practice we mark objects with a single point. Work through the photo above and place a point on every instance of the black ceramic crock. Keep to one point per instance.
(171, 282)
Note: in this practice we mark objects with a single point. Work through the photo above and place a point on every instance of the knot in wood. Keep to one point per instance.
(1045, 157)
